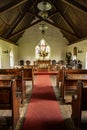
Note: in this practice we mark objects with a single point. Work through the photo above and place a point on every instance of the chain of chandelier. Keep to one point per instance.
(44, 7)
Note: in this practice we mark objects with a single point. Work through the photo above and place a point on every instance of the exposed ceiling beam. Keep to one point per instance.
(8, 41)
(14, 29)
(12, 5)
(20, 18)
(21, 31)
(66, 19)
(54, 13)
(62, 29)
(52, 23)
(75, 4)
(82, 39)
(17, 21)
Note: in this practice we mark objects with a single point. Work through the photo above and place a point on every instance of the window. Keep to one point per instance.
(0, 56)
(86, 61)
(11, 59)
(74, 57)
(42, 51)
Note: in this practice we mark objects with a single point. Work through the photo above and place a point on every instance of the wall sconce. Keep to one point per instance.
(6, 51)
(80, 51)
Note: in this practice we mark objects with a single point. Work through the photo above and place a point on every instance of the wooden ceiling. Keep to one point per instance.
(70, 16)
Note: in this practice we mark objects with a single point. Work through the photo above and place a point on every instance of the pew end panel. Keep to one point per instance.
(10, 101)
(59, 77)
(21, 88)
(60, 81)
(28, 75)
(69, 82)
(18, 75)
(79, 104)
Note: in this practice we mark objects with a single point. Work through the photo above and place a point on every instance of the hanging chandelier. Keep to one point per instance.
(44, 7)
(43, 27)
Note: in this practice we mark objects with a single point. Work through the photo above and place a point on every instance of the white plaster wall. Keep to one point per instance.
(31, 38)
(33, 35)
(5, 57)
(82, 45)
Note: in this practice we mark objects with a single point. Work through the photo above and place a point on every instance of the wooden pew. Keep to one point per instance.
(70, 78)
(9, 99)
(60, 76)
(18, 74)
(28, 74)
(79, 104)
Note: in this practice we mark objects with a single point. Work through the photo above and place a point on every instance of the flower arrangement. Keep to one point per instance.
(43, 53)
(68, 55)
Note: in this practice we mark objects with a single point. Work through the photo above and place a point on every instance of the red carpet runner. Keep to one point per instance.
(43, 111)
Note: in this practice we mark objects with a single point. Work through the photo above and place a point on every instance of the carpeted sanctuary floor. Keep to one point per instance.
(64, 108)
(43, 112)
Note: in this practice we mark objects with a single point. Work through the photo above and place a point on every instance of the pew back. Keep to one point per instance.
(70, 78)
(18, 74)
(28, 75)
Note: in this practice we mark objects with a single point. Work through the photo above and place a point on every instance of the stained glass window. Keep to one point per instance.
(42, 50)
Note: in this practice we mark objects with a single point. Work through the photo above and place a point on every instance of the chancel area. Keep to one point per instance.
(43, 65)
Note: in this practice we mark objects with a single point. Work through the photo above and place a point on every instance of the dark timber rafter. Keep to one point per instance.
(75, 4)
(67, 20)
(26, 14)
(41, 19)
(12, 5)
(17, 21)
(21, 31)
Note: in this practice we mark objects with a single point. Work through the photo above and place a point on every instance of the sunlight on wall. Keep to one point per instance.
(5, 49)
(86, 61)
(0, 56)
(11, 59)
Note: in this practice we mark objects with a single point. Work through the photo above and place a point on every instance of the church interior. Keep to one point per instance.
(43, 38)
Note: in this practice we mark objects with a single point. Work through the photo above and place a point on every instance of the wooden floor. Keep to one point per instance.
(64, 107)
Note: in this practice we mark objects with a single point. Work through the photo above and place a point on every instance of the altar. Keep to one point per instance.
(43, 64)
(42, 55)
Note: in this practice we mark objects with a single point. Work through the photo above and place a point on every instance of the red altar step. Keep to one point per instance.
(45, 72)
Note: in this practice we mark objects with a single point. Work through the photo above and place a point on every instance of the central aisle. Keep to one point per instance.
(43, 112)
